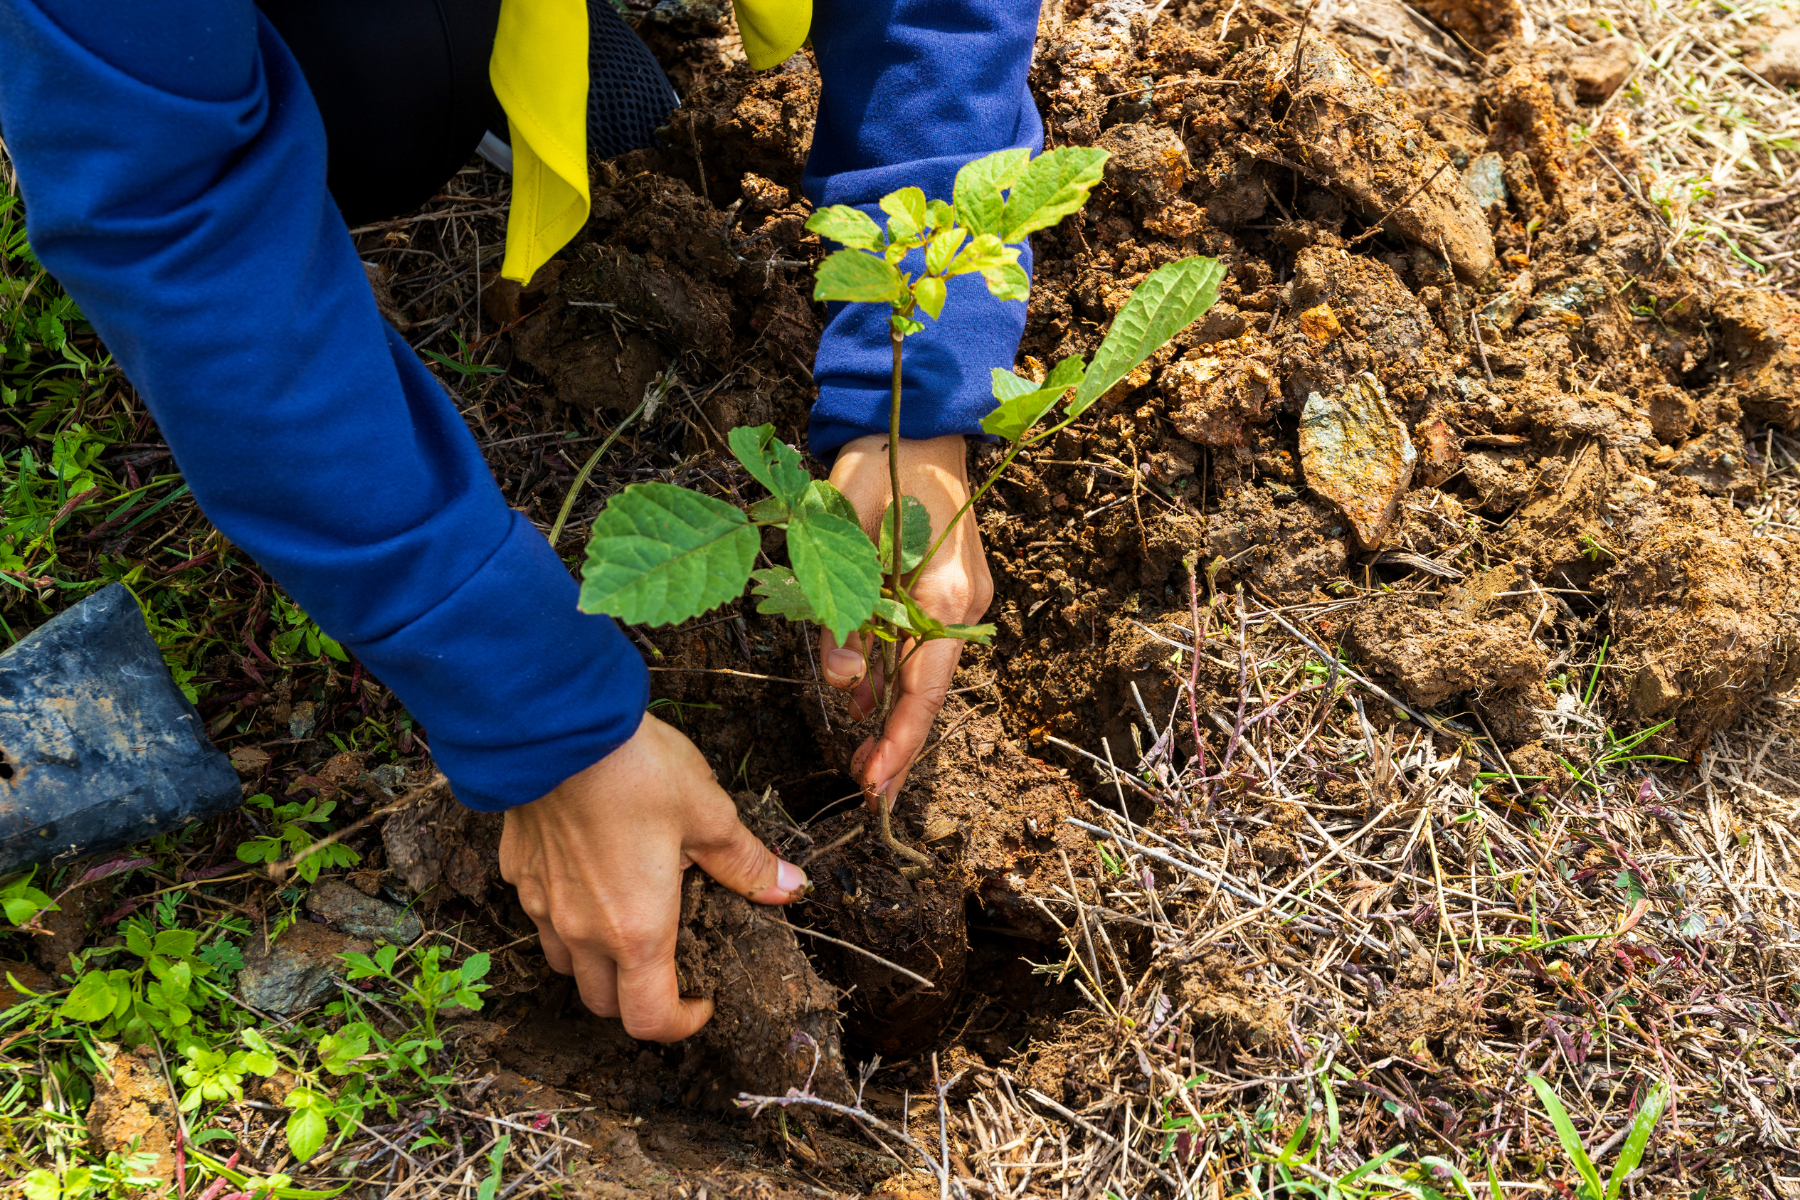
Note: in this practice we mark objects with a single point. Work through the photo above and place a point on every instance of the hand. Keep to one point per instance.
(598, 866)
(954, 587)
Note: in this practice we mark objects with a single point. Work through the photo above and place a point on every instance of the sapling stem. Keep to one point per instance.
(884, 804)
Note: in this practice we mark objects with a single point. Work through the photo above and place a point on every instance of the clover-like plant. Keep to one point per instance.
(660, 554)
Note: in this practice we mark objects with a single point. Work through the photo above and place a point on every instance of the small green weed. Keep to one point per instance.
(1630, 1154)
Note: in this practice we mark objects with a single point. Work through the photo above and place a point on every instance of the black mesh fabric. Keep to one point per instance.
(629, 97)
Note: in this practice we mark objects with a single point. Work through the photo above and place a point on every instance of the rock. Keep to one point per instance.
(343, 907)
(1759, 353)
(1218, 388)
(438, 841)
(1486, 180)
(299, 971)
(1598, 70)
(133, 1109)
(1718, 461)
(305, 716)
(1346, 131)
(1355, 452)
(249, 762)
(101, 749)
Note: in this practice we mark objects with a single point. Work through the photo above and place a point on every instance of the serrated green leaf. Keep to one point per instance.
(1008, 281)
(847, 226)
(771, 461)
(982, 634)
(853, 276)
(980, 188)
(822, 496)
(929, 292)
(922, 623)
(894, 613)
(1055, 184)
(1169, 300)
(915, 535)
(834, 562)
(660, 554)
(983, 253)
(906, 214)
(1023, 404)
(770, 510)
(781, 595)
(942, 248)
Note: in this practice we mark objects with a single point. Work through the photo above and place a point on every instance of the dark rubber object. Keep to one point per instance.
(98, 747)
(402, 86)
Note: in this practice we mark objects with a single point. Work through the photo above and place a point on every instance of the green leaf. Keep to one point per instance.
(915, 535)
(1008, 281)
(822, 496)
(1023, 403)
(835, 564)
(1169, 300)
(306, 1128)
(847, 226)
(985, 253)
(1056, 184)
(475, 966)
(919, 621)
(980, 188)
(906, 214)
(770, 510)
(894, 613)
(929, 292)
(138, 942)
(941, 250)
(771, 461)
(1632, 1152)
(42, 1184)
(781, 595)
(857, 277)
(939, 215)
(20, 910)
(660, 554)
(176, 943)
(91, 999)
(1565, 1133)
(905, 325)
(982, 634)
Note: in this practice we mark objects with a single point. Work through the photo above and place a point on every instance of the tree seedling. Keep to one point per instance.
(661, 554)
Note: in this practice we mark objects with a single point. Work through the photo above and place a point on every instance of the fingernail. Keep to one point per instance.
(882, 787)
(845, 664)
(789, 878)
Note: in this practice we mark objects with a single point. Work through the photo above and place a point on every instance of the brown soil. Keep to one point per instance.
(133, 1111)
(1574, 476)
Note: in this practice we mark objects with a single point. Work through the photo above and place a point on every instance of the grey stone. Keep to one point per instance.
(98, 747)
(343, 907)
(299, 971)
(1486, 183)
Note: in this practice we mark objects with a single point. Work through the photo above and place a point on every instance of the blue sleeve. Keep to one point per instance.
(181, 200)
(912, 90)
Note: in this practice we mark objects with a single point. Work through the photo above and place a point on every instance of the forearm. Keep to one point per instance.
(195, 229)
(913, 90)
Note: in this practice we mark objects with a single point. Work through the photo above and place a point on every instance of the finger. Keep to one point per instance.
(735, 857)
(650, 1003)
(843, 665)
(597, 979)
(554, 948)
(924, 683)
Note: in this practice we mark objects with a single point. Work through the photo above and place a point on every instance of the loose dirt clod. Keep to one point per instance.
(132, 1111)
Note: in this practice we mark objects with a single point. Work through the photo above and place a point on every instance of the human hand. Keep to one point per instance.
(954, 587)
(598, 866)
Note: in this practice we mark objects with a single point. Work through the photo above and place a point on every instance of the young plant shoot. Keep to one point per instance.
(661, 554)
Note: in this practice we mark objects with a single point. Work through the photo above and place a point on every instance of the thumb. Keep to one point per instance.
(746, 866)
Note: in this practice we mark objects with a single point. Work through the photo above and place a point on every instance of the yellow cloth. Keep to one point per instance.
(539, 70)
(540, 75)
(772, 29)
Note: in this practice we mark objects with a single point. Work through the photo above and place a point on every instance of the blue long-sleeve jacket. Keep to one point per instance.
(172, 163)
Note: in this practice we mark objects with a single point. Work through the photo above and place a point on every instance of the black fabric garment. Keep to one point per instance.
(402, 86)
